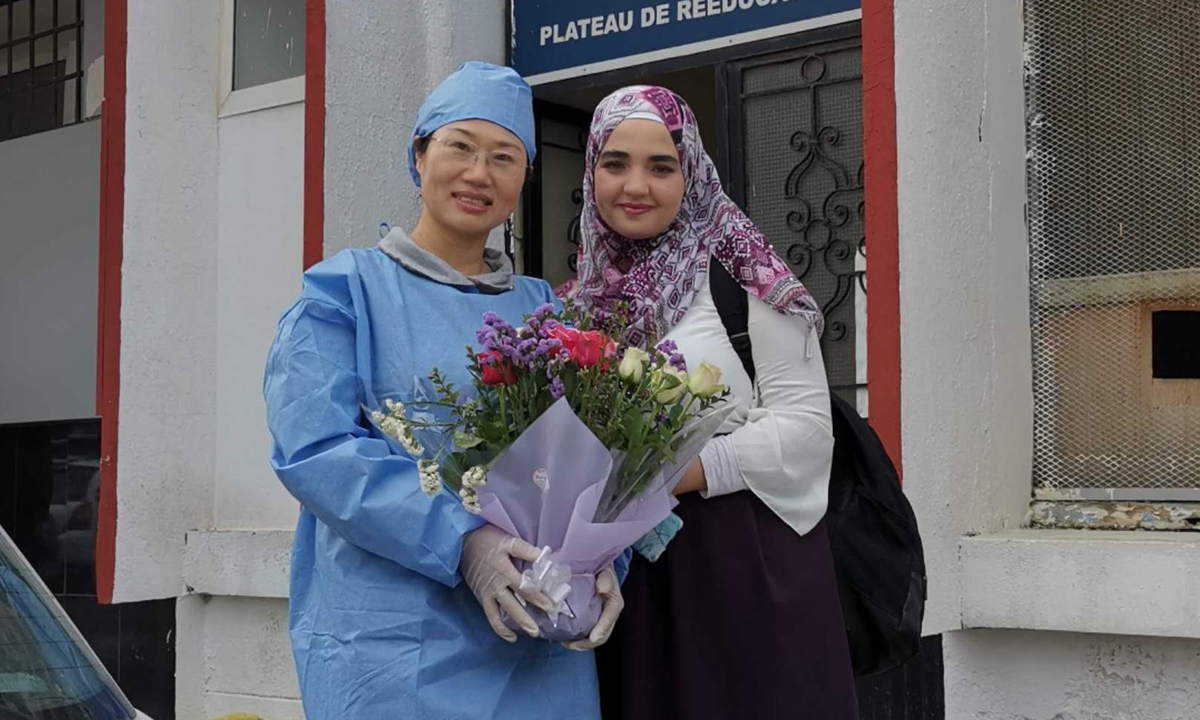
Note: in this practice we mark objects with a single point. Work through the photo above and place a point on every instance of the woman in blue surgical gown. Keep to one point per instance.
(396, 597)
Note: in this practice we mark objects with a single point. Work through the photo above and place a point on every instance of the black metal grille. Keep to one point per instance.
(41, 76)
(800, 147)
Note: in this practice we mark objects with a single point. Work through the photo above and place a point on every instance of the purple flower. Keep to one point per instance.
(676, 361)
(549, 347)
(557, 389)
(547, 327)
(667, 347)
(495, 333)
(486, 337)
(524, 353)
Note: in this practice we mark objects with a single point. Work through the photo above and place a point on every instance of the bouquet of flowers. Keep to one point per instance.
(568, 439)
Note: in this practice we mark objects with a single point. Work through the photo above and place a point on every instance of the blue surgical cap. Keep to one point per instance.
(477, 91)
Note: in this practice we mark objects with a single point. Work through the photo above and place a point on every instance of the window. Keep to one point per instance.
(262, 54)
(49, 511)
(46, 668)
(1175, 347)
(41, 65)
(268, 41)
(1113, 136)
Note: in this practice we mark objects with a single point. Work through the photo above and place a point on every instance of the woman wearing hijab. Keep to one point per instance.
(739, 617)
(397, 597)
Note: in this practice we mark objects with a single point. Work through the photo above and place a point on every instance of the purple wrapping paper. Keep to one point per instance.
(545, 489)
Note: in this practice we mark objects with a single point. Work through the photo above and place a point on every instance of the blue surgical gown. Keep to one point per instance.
(381, 624)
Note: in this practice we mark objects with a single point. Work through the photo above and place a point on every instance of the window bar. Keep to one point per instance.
(58, 111)
(79, 69)
(62, 79)
(12, 90)
(32, 65)
(59, 81)
(42, 34)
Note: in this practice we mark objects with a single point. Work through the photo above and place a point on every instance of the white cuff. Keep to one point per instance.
(722, 472)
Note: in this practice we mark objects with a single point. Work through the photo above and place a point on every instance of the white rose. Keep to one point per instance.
(669, 385)
(705, 381)
(633, 365)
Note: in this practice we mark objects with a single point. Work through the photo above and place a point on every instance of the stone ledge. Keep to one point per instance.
(1121, 583)
(238, 563)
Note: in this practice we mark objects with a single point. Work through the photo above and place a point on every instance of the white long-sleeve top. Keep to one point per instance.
(780, 441)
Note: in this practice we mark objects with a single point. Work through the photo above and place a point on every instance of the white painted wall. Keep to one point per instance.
(967, 415)
(234, 657)
(1095, 581)
(166, 458)
(213, 250)
(382, 59)
(49, 239)
(1015, 675)
(964, 290)
(259, 254)
(233, 653)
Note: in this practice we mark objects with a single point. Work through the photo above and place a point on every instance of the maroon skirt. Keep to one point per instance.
(737, 620)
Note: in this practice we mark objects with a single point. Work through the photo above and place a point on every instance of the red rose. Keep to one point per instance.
(495, 370)
(589, 348)
(569, 337)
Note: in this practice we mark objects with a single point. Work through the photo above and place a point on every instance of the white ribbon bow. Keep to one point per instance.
(551, 579)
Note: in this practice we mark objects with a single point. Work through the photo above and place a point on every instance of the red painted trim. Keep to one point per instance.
(882, 221)
(314, 132)
(112, 219)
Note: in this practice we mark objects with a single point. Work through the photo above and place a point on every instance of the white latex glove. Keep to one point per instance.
(487, 566)
(608, 588)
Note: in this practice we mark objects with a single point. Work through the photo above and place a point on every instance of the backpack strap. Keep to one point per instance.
(733, 305)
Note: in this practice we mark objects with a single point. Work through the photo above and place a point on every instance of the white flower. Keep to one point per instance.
(394, 424)
(705, 381)
(470, 501)
(391, 426)
(474, 477)
(431, 477)
(633, 365)
(410, 442)
(669, 384)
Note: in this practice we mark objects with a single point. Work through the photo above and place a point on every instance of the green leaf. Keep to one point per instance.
(465, 441)
(452, 471)
(635, 420)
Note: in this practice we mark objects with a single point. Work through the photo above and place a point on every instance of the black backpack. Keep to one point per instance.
(877, 552)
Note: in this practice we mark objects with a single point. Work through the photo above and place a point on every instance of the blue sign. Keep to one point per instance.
(558, 38)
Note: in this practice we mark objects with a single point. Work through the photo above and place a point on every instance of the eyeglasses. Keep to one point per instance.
(504, 164)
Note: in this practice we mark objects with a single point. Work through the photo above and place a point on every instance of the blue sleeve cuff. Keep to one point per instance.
(652, 544)
(621, 565)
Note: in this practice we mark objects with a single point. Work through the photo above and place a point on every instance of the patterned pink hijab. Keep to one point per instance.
(657, 279)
